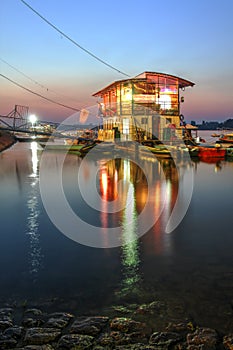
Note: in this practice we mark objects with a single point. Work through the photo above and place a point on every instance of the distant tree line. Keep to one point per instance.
(212, 125)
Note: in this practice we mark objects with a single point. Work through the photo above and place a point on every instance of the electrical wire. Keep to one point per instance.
(39, 95)
(26, 76)
(34, 81)
(73, 41)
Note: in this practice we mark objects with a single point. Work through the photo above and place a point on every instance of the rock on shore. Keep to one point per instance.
(37, 330)
(6, 140)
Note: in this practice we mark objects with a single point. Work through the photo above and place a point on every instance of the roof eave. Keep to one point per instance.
(183, 83)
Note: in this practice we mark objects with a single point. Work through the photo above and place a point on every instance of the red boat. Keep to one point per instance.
(211, 152)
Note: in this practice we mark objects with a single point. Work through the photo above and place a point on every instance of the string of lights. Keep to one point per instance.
(71, 40)
(39, 95)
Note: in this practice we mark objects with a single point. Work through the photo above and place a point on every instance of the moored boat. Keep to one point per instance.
(226, 138)
(211, 152)
(79, 149)
(229, 152)
(159, 151)
(228, 147)
(193, 151)
(61, 147)
(168, 151)
(215, 135)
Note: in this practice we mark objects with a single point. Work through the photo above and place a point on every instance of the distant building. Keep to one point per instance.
(146, 106)
(209, 125)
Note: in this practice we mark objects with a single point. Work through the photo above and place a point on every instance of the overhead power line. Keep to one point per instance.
(26, 76)
(34, 81)
(39, 95)
(73, 41)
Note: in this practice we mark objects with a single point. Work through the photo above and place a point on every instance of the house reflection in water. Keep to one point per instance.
(160, 242)
(115, 178)
(125, 180)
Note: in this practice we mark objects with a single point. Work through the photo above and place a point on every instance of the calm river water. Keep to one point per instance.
(188, 272)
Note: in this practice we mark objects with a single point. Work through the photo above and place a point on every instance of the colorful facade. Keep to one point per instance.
(144, 107)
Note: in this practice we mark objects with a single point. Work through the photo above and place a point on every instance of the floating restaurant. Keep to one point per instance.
(141, 108)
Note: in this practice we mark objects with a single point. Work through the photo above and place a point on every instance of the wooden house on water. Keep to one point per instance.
(144, 107)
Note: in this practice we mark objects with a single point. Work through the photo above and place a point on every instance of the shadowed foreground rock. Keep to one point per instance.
(36, 330)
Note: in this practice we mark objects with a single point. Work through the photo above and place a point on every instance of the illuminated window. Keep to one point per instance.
(126, 126)
(126, 93)
(164, 101)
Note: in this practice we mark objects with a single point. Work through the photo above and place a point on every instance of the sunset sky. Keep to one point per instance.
(190, 39)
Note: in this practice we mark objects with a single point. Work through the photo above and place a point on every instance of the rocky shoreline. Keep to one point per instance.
(35, 329)
(6, 140)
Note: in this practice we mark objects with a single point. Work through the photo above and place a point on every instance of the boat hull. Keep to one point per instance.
(227, 138)
(159, 151)
(208, 152)
(193, 152)
(61, 147)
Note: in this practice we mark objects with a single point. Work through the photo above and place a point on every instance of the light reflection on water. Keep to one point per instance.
(32, 231)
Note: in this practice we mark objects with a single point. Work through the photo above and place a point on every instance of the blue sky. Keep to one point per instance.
(190, 39)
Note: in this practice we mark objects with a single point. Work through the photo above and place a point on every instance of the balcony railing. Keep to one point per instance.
(129, 108)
